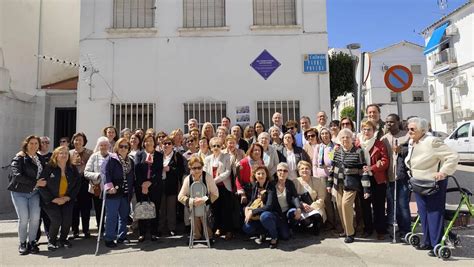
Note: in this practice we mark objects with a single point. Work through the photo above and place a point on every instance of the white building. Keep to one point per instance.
(29, 28)
(449, 54)
(376, 63)
(164, 62)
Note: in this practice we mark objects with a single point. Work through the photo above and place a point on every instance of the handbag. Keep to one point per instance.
(97, 190)
(144, 210)
(306, 198)
(256, 204)
(423, 187)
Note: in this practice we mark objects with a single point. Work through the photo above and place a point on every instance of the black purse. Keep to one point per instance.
(423, 187)
(306, 198)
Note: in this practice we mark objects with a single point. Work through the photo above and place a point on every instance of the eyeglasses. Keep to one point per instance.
(196, 168)
(346, 123)
(45, 142)
(311, 135)
(123, 146)
(281, 170)
(214, 146)
(290, 128)
(62, 141)
(412, 129)
(167, 144)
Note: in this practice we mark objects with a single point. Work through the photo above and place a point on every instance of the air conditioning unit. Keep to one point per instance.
(385, 67)
(451, 30)
(459, 81)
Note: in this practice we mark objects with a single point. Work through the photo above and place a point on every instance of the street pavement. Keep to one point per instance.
(304, 250)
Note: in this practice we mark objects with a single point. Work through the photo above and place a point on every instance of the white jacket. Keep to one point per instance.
(223, 169)
(92, 172)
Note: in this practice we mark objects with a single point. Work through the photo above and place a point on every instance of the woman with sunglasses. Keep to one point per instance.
(195, 165)
(218, 164)
(173, 172)
(313, 140)
(118, 184)
(192, 145)
(148, 184)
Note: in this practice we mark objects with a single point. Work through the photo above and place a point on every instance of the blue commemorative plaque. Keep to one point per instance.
(314, 63)
(265, 64)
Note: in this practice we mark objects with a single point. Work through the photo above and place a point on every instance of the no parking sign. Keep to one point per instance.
(398, 78)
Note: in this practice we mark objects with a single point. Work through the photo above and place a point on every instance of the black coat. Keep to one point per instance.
(141, 170)
(53, 177)
(402, 169)
(23, 174)
(174, 177)
(269, 199)
(300, 154)
(291, 196)
(244, 145)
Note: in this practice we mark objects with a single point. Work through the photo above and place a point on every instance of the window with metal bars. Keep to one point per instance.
(134, 14)
(204, 111)
(203, 13)
(418, 96)
(289, 109)
(274, 12)
(133, 115)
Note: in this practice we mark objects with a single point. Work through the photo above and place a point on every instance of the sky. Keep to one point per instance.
(379, 23)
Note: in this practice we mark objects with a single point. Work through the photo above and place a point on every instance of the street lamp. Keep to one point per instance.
(357, 87)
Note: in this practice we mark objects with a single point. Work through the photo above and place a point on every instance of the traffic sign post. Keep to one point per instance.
(398, 78)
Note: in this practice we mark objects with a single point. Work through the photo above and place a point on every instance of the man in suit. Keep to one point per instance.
(277, 120)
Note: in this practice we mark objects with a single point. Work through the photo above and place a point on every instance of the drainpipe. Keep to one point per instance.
(38, 79)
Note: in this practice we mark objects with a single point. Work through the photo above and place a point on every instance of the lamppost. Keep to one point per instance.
(357, 87)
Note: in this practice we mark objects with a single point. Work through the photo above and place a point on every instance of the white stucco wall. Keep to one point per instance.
(172, 67)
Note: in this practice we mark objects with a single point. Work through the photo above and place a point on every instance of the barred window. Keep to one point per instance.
(274, 12)
(289, 109)
(203, 13)
(134, 13)
(204, 111)
(418, 96)
(133, 115)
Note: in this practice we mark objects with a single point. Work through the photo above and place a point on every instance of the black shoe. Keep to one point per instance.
(110, 244)
(431, 253)
(23, 249)
(74, 236)
(366, 234)
(66, 244)
(273, 243)
(52, 246)
(33, 247)
(87, 235)
(123, 241)
(141, 238)
(154, 238)
(349, 239)
(424, 247)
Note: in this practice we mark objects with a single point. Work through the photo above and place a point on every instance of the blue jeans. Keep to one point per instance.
(403, 205)
(271, 223)
(116, 217)
(27, 206)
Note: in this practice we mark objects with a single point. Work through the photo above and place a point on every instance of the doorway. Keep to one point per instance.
(64, 123)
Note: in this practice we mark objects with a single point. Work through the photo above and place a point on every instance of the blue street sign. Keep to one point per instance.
(314, 63)
(265, 64)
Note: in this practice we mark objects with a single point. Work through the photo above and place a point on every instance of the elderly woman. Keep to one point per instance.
(236, 154)
(345, 176)
(148, 184)
(196, 165)
(276, 141)
(429, 158)
(221, 132)
(311, 135)
(111, 133)
(376, 157)
(292, 154)
(312, 193)
(218, 165)
(253, 159)
(119, 171)
(58, 196)
(93, 174)
(204, 150)
(177, 138)
(83, 204)
(270, 154)
(25, 179)
(207, 131)
(126, 133)
(192, 145)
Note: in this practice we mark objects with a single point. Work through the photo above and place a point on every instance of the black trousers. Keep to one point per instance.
(46, 222)
(98, 209)
(82, 209)
(61, 217)
(373, 208)
(151, 224)
(222, 210)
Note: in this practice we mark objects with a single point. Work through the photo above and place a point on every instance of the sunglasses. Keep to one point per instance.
(346, 123)
(196, 168)
(291, 128)
(167, 144)
(63, 141)
(214, 146)
(281, 170)
(123, 146)
(311, 135)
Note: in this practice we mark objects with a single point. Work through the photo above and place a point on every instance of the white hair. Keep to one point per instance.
(421, 124)
(274, 127)
(344, 132)
(264, 134)
(101, 140)
(283, 164)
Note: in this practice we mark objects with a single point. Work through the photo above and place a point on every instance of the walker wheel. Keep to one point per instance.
(436, 249)
(444, 252)
(407, 238)
(415, 240)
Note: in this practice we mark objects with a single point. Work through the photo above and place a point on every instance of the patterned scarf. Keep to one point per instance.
(126, 165)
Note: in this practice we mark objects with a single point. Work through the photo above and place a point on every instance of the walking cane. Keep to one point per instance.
(101, 222)
(395, 224)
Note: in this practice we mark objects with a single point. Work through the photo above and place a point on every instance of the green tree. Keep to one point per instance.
(348, 112)
(341, 75)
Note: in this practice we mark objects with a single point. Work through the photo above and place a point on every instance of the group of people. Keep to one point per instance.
(265, 183)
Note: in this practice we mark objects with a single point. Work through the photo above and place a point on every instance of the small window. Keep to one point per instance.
(203, 13)
(133, 115)
(289, 109)
(204, 111)
(393, 97)
(418, 96)
(274, 12)
(134, 14)
(415, 69)
(462, 132)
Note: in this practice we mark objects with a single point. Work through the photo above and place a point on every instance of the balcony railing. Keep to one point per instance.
(443, 58)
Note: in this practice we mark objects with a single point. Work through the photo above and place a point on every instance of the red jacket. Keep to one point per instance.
(379, 152)
(245, 173)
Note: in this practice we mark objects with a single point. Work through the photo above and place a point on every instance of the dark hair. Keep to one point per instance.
(397, 118)
(254, 127)
(336, 123)
(225, 117)
(256, 169)
(291, 123)
(306, 117)
(104, 132)
(139, 140)
(149, 136)
(292, 138)
(25, 142)
(352, 123)
(83, 135)
(252, 147)
(372, 105)
(121, 140)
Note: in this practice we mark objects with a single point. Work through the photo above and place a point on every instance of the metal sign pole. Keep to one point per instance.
(399, 105)
(359, 92)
